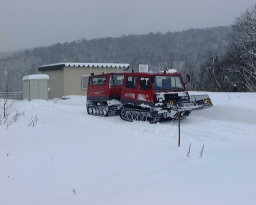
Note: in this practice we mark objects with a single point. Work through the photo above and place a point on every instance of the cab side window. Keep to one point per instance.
(116, 79)
(144, 84)
(98, 80)
(130, 82)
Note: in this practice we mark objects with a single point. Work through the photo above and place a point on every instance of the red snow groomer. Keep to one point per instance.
(138, 96)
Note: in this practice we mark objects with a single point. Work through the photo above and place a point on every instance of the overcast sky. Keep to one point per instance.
(34, 23)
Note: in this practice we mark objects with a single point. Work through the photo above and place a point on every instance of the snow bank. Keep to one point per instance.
(70, 157)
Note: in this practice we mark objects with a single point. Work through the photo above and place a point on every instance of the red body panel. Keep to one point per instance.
(136, 92)
(142, 92)
(136, 87)
(103, 90)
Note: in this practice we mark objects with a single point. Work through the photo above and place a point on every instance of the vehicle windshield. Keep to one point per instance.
(168, 83)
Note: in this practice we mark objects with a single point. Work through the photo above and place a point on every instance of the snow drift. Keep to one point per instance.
(69, 157)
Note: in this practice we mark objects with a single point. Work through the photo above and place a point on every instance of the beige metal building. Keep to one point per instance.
(72, 78)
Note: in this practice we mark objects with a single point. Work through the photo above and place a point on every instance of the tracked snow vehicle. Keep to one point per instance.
(104, 93)
(137, 96)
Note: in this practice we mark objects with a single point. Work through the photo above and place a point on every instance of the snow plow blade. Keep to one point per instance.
(197, 102)
(201, 101)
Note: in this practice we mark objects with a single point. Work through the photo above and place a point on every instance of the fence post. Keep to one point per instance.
(179, 128)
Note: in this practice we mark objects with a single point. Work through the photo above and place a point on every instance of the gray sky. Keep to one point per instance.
(34, 23)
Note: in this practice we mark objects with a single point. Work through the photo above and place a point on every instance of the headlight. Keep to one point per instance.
(184, 97)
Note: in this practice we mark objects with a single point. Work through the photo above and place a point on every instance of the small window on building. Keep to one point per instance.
(85, 81)
(130, 82)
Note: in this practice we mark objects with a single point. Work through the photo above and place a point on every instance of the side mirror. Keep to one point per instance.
(188, 78)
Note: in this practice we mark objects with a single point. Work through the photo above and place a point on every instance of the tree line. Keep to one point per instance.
(186, 49)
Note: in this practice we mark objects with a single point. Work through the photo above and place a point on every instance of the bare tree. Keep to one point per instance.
(7, 107)
(212, 74)
(238, 65)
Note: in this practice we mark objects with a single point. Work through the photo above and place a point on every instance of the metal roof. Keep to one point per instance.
(60, 66)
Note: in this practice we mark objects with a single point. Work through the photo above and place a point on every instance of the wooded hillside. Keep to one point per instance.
(186, 51)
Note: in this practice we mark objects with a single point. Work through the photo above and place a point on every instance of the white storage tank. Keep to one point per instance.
(35, 87)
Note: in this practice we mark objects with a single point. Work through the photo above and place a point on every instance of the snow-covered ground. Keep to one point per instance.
(70, 157)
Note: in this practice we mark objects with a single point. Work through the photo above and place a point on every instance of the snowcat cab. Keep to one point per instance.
(103, 94)
(158, 96)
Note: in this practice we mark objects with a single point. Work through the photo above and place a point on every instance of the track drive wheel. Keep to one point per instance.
(89, 110)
